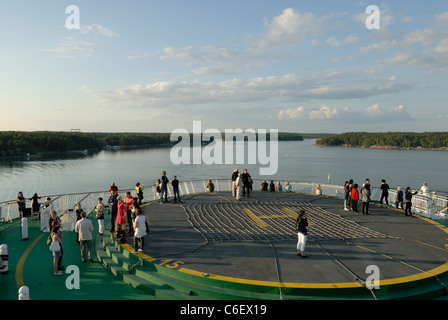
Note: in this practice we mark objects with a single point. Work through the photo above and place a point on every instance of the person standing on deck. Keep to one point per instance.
(210, 186)
(21, 202)
(55, 228)
(246, 183)
(424, 190)
(100, 215)
(355, 198)
(35, 203)
(78, 212)
(164, 187)
(113, 202)
(57, 252)
(234, 176)
(272, 186)
(129, 206)
(302, 233)
(264, 186)
(84, 228)
(347, 195)
(113, 187)
(159, 189)
(139, 190)
(350, 187)
(408, 201)
(365, 198)
(175, 184)
(121, 214)
(384, 192)
(239, 187)
(140, 230)
(399, 199)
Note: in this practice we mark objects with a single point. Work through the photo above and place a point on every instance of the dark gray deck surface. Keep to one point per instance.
(214, 234)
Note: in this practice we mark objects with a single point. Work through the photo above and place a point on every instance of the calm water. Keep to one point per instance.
(298, 161)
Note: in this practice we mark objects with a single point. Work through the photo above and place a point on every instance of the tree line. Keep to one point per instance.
(426, 140)
(21, 143)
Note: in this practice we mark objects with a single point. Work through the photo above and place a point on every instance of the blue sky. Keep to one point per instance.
(155, 66)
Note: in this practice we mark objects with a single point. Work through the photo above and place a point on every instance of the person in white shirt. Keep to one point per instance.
(84, 228)
(239, 187)
(425, 192)
(140, 230)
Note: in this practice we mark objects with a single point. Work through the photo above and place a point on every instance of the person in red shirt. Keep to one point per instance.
(121, 214)
(113, 187)
(129, 214)
(355, 198)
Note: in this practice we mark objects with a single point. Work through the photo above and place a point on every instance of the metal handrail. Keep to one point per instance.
(428, 205)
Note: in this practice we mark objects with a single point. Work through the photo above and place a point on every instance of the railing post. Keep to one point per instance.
(4, 258)
(24, 228)
(24, 293)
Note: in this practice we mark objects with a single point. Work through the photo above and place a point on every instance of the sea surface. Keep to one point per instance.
(297, 161)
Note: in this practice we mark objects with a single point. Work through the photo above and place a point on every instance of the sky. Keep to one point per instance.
(157, 66)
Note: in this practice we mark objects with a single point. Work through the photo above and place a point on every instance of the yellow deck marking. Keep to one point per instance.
(139, 254)
(21, 263)
(424, 274)
(271, 216)
(290, 212)
(256, 219)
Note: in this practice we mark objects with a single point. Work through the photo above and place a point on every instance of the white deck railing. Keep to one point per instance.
(434, 207)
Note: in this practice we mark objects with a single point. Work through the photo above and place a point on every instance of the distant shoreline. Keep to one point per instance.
(383, 147)
(431, 141)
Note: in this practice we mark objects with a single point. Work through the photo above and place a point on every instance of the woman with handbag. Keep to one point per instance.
(56, 249)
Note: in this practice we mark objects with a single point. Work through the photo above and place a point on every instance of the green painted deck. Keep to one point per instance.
(95, 282)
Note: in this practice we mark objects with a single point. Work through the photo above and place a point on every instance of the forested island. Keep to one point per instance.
(389, 140)
(22, 143)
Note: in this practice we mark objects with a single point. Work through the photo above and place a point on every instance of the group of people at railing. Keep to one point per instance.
(403, 200)
(241, 186)
(35, 205)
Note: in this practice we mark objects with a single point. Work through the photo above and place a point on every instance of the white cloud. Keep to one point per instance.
(86, 89)
(291, 28)
(426, 47)
(98, 29)
(144, 55)
(323, 113)
(297, 113)
(204, 54)
(336, 43)
(216, 60)
(373, 113)
(290, 88)
(411, 59)
(71, 47)
(423, 37)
